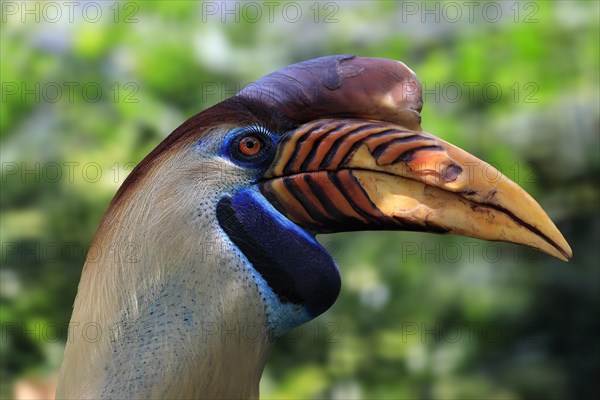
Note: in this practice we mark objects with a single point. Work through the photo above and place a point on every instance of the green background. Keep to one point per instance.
(419, 316)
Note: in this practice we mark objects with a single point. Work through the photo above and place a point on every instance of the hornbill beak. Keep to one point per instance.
(360, 161)
(350, 174)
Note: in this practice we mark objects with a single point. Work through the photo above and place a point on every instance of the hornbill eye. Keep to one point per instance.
(250, 147)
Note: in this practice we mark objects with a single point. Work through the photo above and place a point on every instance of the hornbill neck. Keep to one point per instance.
(166, 308)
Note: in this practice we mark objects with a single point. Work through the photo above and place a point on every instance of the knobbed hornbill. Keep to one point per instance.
(217, 226)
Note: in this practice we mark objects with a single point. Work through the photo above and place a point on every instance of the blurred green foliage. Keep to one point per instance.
(419, 316)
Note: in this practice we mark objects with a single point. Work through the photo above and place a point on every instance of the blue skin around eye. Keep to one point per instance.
(262, 162)
(298, 276)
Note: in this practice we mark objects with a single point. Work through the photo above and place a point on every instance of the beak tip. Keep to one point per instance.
(568, 253)
(562, 251)
(564, 248)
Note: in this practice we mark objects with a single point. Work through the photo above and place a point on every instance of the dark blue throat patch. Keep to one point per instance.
(296, 268)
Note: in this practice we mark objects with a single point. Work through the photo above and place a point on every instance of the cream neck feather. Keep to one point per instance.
(166, 306)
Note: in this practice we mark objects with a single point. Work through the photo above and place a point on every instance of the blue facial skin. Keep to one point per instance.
(295, 274)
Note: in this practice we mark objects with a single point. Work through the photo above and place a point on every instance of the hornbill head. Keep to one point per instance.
(224, 212)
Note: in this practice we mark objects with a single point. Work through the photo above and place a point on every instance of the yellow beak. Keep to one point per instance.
(333, 175)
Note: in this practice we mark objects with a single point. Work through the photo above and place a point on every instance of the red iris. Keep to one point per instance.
(249, 145)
